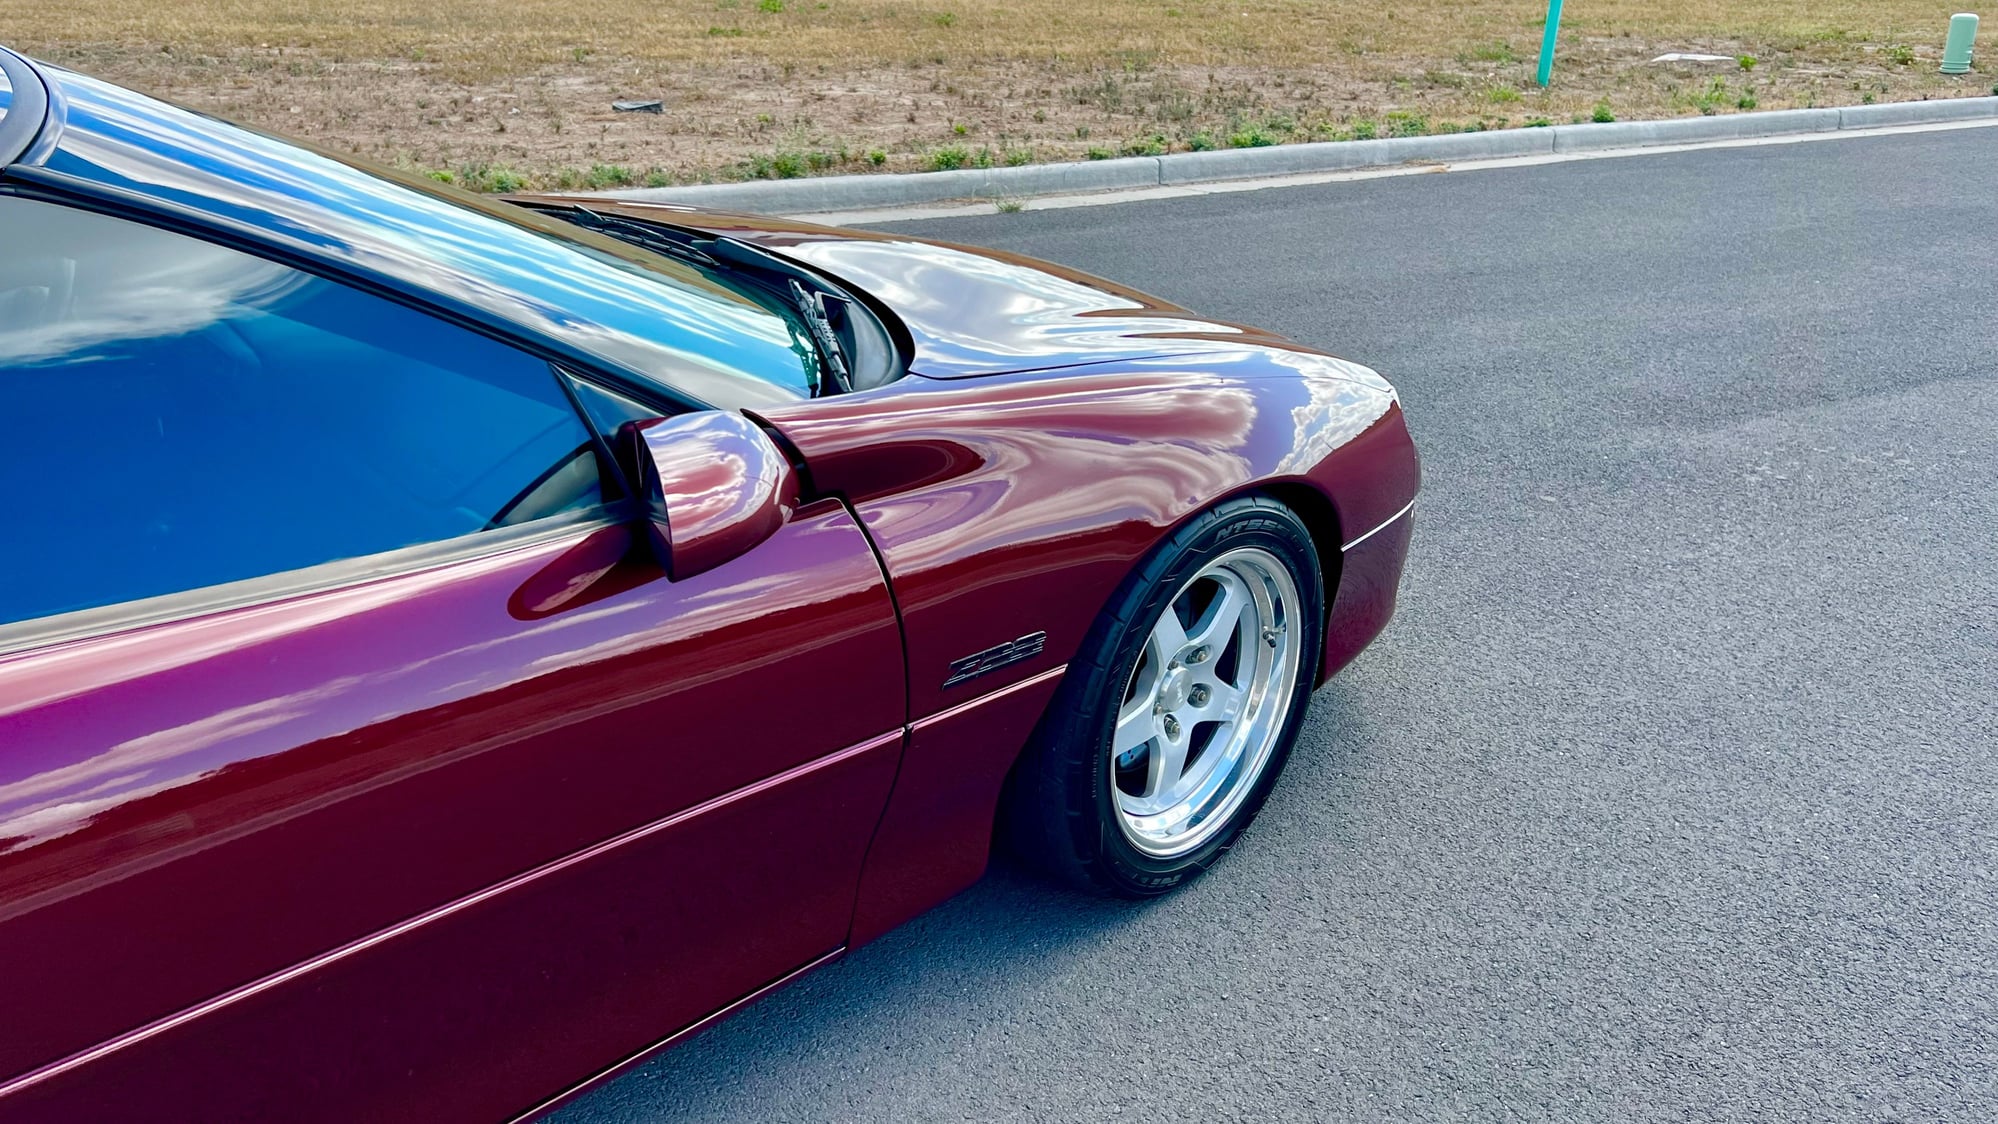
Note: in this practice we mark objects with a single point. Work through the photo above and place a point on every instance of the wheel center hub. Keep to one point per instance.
(1174, 688)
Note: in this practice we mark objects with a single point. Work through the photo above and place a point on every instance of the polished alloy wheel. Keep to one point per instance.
(1207, 702)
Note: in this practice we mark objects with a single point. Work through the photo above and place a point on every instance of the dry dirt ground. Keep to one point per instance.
(498, 95)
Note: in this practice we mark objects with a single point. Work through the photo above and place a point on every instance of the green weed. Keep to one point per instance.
(601, 176)
(489, 178)
(1708, 99)
(788, 165)
(1489, 52)
(1402, 123)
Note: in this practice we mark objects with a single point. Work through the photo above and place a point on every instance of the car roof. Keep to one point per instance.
(24, 106)
(478, 259)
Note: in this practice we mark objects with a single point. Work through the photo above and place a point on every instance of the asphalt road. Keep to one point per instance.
(1672, 791)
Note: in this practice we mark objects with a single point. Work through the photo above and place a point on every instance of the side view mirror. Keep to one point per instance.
(712, 486)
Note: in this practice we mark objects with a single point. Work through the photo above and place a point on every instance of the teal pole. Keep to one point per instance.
(1956, 49)
(1547, 41)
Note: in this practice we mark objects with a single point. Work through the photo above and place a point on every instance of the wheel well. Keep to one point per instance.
(1321, 519)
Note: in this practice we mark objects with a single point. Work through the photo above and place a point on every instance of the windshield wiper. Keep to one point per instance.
(813, 306)
(641, 235)
(718, 254)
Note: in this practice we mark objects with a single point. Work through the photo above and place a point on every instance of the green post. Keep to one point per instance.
(1547, 41)
(1956, 49)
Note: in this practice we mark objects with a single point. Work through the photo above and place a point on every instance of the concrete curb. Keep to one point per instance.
(851, 193)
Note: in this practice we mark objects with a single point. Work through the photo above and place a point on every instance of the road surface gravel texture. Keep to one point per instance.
(1672, 791)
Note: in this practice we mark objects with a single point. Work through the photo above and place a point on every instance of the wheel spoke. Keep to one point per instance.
(1168, 637)
(1136, 725)
(1164, 769)
(1217, 625)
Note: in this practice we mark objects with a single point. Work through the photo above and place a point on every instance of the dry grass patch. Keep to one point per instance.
(499, 95)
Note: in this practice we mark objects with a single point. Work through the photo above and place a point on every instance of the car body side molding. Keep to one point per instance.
(19, 1093)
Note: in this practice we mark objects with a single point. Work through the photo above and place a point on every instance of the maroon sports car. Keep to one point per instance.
(451, 647)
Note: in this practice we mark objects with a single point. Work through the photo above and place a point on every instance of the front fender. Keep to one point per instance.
(1015, 504)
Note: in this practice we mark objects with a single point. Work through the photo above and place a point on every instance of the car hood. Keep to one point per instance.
(972, 312)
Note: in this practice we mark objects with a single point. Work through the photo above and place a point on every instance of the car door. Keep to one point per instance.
(356, 760)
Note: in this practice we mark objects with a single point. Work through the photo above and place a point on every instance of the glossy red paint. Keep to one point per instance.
(936, 836)
(1016, 503)
(479, 1012)
(1073, 421)
(440, 842)
(193, 806)
(1369, 576)
(714, 486)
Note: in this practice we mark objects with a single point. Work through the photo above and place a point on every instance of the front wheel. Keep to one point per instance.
(1179, 712)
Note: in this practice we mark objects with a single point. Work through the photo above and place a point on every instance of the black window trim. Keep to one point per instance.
(209, 600)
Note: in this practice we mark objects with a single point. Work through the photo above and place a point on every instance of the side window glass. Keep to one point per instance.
(176, 414)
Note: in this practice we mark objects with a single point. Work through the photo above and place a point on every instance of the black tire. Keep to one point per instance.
(1061, 815)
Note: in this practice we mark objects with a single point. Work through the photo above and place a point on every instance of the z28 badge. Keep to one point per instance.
(992, 659)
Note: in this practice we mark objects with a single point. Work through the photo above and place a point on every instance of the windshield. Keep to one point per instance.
(802, 376)
(692, 331)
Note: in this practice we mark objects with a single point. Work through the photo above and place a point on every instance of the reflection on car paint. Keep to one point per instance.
(128, 780)
(682, 334)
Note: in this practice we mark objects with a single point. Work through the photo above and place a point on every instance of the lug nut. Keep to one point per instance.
(1198, 696)
(1198, 655)
(1172, 727)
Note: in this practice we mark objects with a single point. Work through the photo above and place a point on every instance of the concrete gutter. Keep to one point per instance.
(855, 193)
